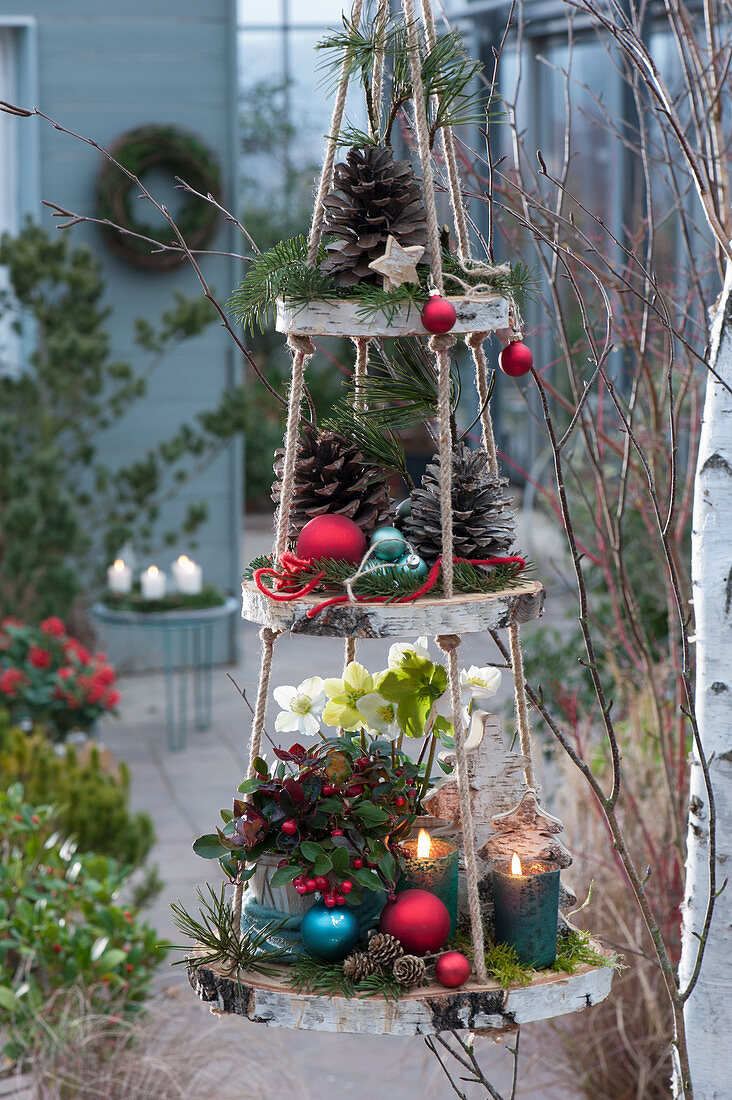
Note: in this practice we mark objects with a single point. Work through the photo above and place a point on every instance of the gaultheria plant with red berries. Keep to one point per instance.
(49, 678)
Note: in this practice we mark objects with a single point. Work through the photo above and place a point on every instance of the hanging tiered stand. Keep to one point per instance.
(493, 780)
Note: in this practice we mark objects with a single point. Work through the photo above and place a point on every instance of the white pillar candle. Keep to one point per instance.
(177, 568)
(190, 577)
(119, 577)
(152, 583)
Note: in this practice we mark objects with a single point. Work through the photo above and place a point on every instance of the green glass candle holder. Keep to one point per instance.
(436, 872)
(526, 910)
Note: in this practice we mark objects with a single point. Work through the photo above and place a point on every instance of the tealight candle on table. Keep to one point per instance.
(431, 864)
(119, 577)
(152, 583)
(188, 576)
(526, 909)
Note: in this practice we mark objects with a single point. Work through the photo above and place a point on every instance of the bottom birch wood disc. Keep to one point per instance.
(422, 1011)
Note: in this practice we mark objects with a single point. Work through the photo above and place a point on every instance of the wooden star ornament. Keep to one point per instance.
(398, 265)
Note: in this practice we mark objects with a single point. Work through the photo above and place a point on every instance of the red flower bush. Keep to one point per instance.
(50, 678)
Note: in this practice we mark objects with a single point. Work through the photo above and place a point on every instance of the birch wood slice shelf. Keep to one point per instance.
(348, 318)
(423, 1011)
(466, 613)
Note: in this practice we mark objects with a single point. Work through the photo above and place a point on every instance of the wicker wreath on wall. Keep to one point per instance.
(178, 153)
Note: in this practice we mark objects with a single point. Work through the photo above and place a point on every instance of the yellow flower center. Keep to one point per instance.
(301, 704)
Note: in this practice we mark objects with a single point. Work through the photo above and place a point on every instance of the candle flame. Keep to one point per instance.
(424, 844)
(153, 571)
(516, 865)
(183, 560)
(119, 565)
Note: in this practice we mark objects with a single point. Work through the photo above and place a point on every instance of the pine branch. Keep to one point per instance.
(378, 448)
(214, 932)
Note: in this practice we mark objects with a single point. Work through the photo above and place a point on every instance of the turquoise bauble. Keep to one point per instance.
(329, 933)
(411, 565)
(404, 509)
(389, 544)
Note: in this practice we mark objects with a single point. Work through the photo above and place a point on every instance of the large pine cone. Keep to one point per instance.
(331, 476)
(359, 965)
(384, 948)
(483, 525)
(373, 197)
(409, 970)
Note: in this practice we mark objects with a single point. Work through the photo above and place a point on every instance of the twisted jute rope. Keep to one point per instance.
(268, 638)
(377, 74)
(326, 173)
(359, 370)
(522, 706)
(441, 345)
(449, 643)
(423, 140)
(475, 342)
(349, 652)
(302, 348)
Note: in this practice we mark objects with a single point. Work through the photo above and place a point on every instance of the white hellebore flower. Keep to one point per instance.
(481, 683)
(379, 714)
(302, 706)
(399, 650)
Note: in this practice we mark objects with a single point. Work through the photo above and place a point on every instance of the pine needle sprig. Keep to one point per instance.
(380, 448)
(466, 578)
(401, 391)
(218, 939)
(281, 272)
(310, 975)
(375, 300)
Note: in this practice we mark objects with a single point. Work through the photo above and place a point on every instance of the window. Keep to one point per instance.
(9, 343)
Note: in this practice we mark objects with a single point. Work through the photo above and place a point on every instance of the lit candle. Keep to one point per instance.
(431, 864)
(526, 909)
(119, 577)
(152, 583)
(188, 576)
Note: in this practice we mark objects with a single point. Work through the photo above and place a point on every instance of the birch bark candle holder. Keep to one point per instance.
(431, 864)
(526, 909)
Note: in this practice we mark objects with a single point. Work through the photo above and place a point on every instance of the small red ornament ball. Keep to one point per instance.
(516, 359)
(332, 536)
(418, 919)
(452, 969)
(438, 315)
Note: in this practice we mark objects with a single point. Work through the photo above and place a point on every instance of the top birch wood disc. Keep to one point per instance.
(466, 613)
(339, 317)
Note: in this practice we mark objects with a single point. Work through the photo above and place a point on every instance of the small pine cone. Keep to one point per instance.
(359, 965)
(409, 970)
(384, 948)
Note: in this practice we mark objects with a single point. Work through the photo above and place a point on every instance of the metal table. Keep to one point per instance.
(187, 639)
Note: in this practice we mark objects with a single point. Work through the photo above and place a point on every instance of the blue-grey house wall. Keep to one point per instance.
(101, 68)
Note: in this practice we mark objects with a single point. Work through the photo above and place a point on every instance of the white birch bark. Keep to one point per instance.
(708, 1012)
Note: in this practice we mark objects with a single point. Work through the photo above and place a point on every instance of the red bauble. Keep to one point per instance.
(452, 969)
(332, 536)
(418, 919)
(516, 359)
(438, 315)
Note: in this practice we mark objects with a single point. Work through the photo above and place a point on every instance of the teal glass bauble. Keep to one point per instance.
(411, 565)
(329, 933)
(389, 544)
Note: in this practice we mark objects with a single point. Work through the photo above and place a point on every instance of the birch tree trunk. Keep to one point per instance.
(708, 1012)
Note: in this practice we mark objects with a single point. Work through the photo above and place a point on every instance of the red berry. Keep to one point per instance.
(35, 819)
(346, 886)
(301, 888)
(399, 771)
(370, 864)
(411, 790)
(361, 763)
(289, 827)
(358, 863)
(129, 968)
(310, 886)
(328, 789)
(57, 948)
(337, 832)
(18, 817)
(329, 901)
(400, 800)
(321, 882)
(354, 791)
(340, 900)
